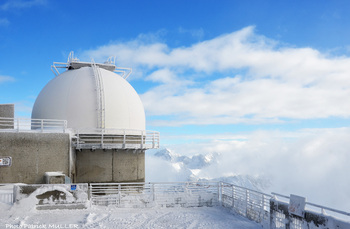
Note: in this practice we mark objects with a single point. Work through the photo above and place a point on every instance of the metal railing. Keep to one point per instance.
(6, 197)
(182, 194)
(32, 125)
(319, 209)
(254, 205)
(116, 139)
(249, 203)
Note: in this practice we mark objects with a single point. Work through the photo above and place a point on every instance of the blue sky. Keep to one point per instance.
(184, 52)
(157, 34)
(262, 82)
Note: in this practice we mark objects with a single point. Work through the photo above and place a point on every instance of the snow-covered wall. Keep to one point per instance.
(52, 196)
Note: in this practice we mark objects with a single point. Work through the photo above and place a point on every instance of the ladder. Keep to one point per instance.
(100, 95)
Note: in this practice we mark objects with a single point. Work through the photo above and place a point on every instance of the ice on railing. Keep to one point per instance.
(6, 197)
(147, 195)
(249, 203)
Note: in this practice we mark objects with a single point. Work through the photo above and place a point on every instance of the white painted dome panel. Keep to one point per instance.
(72, 96)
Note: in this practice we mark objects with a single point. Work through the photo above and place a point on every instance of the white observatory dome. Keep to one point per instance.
(91, 98)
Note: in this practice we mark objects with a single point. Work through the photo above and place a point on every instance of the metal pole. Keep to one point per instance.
(246, 202)
(219, 192)
(119, 194)
(124, 139)
(141, 139)
(65, 126)
(233, 196)
(102, 140)
(90, 192)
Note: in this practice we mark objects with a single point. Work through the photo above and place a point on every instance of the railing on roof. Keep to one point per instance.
(116, 139)
(75, 63)
(32, 125)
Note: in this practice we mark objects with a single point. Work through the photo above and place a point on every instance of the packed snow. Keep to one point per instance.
(24, 215)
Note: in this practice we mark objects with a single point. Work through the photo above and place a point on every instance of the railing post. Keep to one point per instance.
(263, 203)
(233, 197)
(78, 146)
(246, 201)
(42, 125)
(102, 140)
(90, 195)
(17, 124)
(119, 194)
(153, 193)
(65, 126)
(124, 139)
(220, 193)
(141, 139)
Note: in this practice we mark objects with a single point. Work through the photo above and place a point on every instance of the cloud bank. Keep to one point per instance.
(311, 162)
(241, 77)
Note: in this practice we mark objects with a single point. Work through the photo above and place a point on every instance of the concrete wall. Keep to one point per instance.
(33, 154)
(110, 166)
(7, 111)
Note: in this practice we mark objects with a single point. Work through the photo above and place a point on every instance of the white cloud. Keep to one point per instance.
(199, 84)
(20, 4)
(4, 79)
(309, 162)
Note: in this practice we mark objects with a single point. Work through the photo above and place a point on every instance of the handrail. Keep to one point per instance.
(316, 205)
(106, 138)
(251, 190)
(142, 183)
(32, 125)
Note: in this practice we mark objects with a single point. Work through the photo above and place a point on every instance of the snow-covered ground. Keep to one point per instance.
(25, 215)
(174, 168)
(18, 216)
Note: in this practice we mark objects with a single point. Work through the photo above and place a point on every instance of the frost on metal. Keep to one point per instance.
(155, 194)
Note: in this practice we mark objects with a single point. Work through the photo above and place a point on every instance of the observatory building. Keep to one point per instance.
(87, 125)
